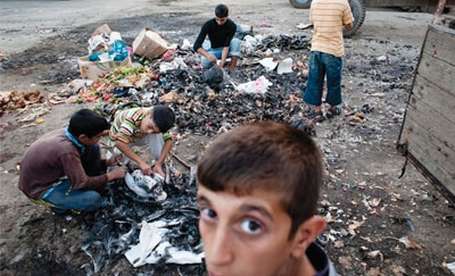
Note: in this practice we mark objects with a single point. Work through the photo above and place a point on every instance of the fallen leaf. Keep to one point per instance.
(352, 227)
(346, 262)
(374, 254)
(374, 271)
(39, 120)
(398, 270)
(171, 97)
(338, 244)
(409, 243)
(374, 202)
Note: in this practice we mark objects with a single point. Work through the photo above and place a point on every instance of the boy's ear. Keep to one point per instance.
(307, 234)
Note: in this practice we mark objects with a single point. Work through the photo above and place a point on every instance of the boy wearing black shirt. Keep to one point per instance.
(221, 31)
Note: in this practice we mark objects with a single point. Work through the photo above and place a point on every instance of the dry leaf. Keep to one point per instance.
(375, 254)
(352, 227)
(409, 243)
(346, 262)
(374, 271)
(171, 97)
(398, 270)
(374, 202)
(338, 244)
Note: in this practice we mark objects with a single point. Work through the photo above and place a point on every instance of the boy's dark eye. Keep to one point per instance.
(251, 226)
(208, 214)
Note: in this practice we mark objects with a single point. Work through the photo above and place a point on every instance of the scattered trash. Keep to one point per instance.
(285, 66)
(258, 86)
(149, 44)
(14, 100)
(153, 247)
(303, 26)
(269, 64)
(186, 45)
(107, 51)
(117, 228)
(74, 87)
(451, 267)
(214, 77)
(146, 186)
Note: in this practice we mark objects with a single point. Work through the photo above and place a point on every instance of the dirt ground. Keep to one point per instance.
(405, 222)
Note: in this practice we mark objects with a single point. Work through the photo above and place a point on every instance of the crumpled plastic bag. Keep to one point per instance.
(146, 186)
(153, 247)
(259, 86)
(214, 77)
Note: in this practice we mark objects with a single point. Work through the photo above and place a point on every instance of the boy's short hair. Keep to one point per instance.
(269, 156)
(221, 11)
(87, 122)
(163, 117)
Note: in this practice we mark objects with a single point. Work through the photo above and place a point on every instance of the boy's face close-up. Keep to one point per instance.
(148, 126)
(244, 235)
(221, 20)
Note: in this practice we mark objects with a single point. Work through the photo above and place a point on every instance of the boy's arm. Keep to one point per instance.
(347, 17)
(224, 56)
(125, 149)
(73, 169)
(197, 47)
(158, 168)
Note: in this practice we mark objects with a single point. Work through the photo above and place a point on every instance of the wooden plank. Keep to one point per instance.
(439, 72)
(439, 101)
(430, 177)
(435, 157)
(440, 43)
(433, 122)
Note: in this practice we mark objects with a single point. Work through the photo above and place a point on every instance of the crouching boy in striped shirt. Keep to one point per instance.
(328, 18)
(144, 126)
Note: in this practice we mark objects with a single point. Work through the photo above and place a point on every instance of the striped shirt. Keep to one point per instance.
(127, 125)
(328, 18)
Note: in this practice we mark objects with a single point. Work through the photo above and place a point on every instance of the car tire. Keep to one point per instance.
(358, 12)
(300, 4)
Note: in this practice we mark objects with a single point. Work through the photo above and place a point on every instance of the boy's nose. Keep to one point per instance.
(221, 253)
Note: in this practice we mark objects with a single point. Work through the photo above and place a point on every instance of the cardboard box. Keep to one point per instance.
(149, 44)
(93, 70)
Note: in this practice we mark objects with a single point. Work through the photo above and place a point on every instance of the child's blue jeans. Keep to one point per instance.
(63, 198)
(322, 64)
(234, 51)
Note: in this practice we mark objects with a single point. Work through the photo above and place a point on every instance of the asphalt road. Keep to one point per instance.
(24, 23)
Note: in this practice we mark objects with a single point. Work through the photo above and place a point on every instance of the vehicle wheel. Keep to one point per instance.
(358, 12)
(300, 4)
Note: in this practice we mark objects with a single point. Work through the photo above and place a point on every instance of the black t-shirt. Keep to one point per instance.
(220, 36)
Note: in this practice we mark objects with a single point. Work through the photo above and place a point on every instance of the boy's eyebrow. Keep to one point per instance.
(202, 199)
(249, 208)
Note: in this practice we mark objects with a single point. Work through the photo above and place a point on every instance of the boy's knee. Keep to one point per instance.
(92, 201)
(234, 47)
(206, 64)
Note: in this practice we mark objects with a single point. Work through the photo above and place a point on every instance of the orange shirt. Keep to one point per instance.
(328, 18)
